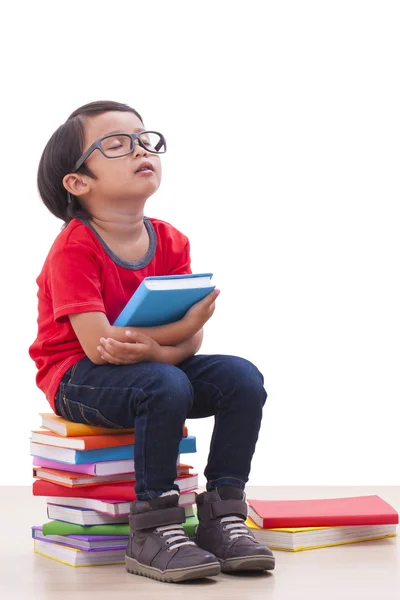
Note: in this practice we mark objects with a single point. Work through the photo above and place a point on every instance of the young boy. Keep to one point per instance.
(96, 173)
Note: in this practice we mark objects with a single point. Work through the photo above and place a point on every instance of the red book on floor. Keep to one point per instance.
(334, 512)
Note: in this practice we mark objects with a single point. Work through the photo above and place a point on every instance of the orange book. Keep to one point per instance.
(72, 479)
(66, 428)
(85, 442)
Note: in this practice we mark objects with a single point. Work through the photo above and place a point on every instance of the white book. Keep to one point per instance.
(107, 506)
(65, 455)
(189, 482)
(85, 516)
(82, 516)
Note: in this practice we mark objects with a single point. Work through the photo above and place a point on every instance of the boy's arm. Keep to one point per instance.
(174, 355)
(91, 327)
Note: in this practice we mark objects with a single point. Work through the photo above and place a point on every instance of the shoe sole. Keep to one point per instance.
(248, 563)
(172, 575)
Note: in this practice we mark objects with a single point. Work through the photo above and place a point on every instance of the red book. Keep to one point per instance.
(104, 491)
(335, 512)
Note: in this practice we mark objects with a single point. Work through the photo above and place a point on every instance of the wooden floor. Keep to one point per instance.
(367, 571)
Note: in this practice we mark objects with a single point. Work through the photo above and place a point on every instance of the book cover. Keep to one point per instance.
(66, 428)
(149, 306)
(359, 510)
(68, 455)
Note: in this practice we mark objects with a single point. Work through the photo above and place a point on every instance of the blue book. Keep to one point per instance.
(164, 299)
(83, 457)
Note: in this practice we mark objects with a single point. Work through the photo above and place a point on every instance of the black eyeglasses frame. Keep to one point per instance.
(133, 136)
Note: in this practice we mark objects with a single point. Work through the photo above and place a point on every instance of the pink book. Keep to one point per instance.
(107, 467)
(110, 467)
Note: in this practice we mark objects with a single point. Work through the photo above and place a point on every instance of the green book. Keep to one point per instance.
(62, 528)
(190, 525)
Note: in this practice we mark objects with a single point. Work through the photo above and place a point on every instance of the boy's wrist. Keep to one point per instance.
(191, 325)
(169, 355)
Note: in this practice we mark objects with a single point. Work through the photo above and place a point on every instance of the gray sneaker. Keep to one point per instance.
(159, 547)
(222, 531)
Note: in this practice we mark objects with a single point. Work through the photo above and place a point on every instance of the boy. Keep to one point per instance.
(96, 173)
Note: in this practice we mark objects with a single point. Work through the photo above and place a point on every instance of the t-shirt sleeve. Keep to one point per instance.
(179, 263)
(75, 281)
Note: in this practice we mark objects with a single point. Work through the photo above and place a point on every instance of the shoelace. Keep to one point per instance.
(179, 536)
(237, 527)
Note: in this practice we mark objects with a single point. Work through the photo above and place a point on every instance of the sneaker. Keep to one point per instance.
(159, 547)
(222, 531)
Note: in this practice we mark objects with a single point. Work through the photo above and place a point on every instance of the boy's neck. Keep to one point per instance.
(119, 227)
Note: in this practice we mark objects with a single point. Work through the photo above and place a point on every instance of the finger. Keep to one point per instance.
(114, 347)
(123, 353)
(122, 360)
(113, 359)
(212, 296)
(108, 357)
(107, 347)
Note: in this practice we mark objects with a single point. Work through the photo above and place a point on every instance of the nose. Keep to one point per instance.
(138, 150)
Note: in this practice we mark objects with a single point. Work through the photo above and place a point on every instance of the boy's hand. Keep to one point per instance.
(202, 311)
(138, 348)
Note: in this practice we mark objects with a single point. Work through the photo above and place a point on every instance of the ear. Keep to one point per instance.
(76, 184)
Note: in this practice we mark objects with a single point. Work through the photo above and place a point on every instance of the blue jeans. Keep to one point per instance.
(156, 399)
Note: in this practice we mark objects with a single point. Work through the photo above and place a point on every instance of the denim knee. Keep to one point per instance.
(172, 388)
(247, 379)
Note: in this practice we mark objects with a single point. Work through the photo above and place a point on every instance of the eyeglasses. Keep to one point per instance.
(117, 145)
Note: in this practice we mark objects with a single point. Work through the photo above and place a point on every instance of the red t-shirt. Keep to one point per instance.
(81, 274)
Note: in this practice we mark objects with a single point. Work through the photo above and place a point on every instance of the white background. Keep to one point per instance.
(282, 120)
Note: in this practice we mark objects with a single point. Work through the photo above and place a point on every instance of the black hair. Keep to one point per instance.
(62, 151)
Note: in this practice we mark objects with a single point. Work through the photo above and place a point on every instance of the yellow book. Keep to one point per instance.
(68, 429)
(78, 558)
(296, 539)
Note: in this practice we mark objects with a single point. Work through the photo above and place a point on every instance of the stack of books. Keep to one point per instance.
(294, 525)
(87, 475)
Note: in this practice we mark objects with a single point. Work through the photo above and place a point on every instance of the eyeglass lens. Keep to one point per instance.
(118, 145)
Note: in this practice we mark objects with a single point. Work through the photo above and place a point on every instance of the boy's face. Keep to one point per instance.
(117, 178)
